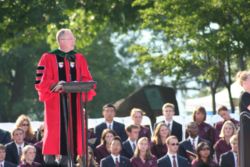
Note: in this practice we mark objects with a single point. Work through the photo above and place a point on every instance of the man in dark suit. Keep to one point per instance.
(187, 147)
(14, 148)
(168, 111)
(108, 112)
(115, 159)
(172, 159)
(128, 146)
(230, 158)
(4, 137)
(4, 163)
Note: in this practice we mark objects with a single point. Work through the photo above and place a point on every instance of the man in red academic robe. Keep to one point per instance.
(55, 68)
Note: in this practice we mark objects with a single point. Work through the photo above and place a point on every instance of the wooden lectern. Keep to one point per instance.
(82, 88)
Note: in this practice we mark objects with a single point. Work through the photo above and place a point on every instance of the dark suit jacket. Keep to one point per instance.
(4, 137)
(165, 162)
(109, 162)
(9, 164)
(117, 127)
(127, 150)
(227, 159)
(176, 129)
(186, 145)
(12, 153)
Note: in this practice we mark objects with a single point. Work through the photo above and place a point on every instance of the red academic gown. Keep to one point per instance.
(47, 75)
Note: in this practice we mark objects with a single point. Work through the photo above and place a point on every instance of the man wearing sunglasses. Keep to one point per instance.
(172, 159)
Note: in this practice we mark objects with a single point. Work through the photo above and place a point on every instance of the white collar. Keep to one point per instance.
(114, 157)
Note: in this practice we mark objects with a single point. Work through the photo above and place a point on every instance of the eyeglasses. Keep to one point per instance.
(25, 124)
(174, 144)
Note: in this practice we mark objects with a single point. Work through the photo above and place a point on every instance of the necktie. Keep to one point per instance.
(174, 161)
(193, 144)
(134, 146)
(116, 162)
(110, 127)
(19, 151)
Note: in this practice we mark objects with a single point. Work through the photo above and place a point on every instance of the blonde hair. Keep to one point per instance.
(25, 150)
(168, 105)
(148, 152)
(230, 123)
(170, 138)
(29, 134)
(135, 110)
(234, 139)
(156, 136)
(242, 76)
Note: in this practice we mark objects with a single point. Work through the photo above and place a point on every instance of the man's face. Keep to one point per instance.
(18, 136)
(108, 113)
(168, 113)
(225, 115)
(134, 134)
(173, 146)
(115, 147)
(137, 118)
(67, 40)
(193, 129)
(2, 155)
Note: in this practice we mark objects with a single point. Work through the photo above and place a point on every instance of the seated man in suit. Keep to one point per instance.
(108, 112)
(14, 148)
(230, 158)
(172, 159)
(115, 159)
(4, 137)
(128, 146)
(188, 147)
(224, 113)
(4, 163)
(168, 111)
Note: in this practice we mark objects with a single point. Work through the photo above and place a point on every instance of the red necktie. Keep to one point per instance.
(174, 161)
(116, 162)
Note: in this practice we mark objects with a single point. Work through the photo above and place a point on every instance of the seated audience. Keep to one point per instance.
(128, 146)
(103, 150)
(230, 158)
(115, 159)
(142, 156)
(204, 156)
(206, 131)
(158, 145)
(188, 147)
(4, 137)
(224, 113)
(3, 162)
(168, 111)
(39, 145)
(108, 112)
(223, 145)
(23, 122)
(28, 156)
(14, 148)
(172, 159)
(136, 115)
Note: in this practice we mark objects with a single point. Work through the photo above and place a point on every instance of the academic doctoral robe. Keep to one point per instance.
(52, 68)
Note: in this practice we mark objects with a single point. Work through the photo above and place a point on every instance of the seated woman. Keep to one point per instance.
(158, 145)
(103, 149)
(142, 156)
(204, 157)
(223, 144)
(28, 156)
(206, 131)
(136, 115)
(91, 159)
(38, 145)
(23, 122)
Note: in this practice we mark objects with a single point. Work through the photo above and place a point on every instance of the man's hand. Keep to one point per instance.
(58, 87)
